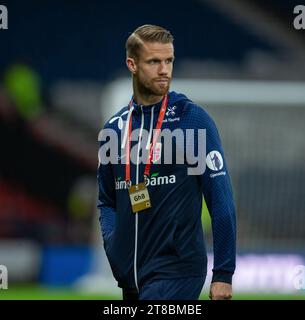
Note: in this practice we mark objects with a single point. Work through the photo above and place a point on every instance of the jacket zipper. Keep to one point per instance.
(136, 214)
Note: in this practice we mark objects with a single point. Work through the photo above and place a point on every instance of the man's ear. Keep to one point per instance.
(131, 65)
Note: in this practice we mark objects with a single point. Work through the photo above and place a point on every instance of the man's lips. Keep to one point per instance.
(162, 80)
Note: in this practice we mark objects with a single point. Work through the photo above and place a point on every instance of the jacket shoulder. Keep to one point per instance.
(116, 121)
(198, 117)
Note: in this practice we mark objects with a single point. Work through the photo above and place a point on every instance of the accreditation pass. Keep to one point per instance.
(139, 197)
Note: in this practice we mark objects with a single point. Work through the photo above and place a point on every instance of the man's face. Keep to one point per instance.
(153, 68)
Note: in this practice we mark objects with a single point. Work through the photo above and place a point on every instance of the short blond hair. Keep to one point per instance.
(146, 33)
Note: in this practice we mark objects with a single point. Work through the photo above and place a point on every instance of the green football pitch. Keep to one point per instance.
(31, 292)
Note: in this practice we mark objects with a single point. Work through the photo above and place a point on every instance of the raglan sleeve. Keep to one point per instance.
(218, 195)
(106, 194)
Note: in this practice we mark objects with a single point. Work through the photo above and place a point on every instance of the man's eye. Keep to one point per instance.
(153, 61)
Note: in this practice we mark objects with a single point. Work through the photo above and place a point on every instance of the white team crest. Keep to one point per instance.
(157, 152)
(171, 111)
(214, 160)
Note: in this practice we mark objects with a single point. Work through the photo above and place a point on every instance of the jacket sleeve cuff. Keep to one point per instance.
(222, 276)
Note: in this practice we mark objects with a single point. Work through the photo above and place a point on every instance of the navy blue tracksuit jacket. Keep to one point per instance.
(167, 241)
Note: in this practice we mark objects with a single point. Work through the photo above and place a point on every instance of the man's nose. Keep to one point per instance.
(163, 68)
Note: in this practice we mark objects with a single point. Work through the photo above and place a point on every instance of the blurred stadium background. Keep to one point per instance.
(62, 75)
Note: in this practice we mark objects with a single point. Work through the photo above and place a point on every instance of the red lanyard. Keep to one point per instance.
(155, 139)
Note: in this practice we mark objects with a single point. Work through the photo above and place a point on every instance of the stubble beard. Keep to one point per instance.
(152, 88)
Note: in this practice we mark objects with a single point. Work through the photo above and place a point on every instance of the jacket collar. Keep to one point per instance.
(147, 108)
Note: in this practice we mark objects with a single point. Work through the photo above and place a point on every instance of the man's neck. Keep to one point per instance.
(146, 100)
